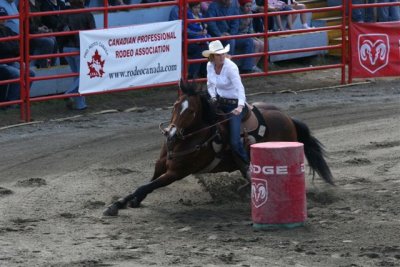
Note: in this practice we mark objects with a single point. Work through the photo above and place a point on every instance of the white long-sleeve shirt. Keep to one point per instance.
(227, 84)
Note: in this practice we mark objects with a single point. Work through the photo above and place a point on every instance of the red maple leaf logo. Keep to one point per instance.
(96, 66)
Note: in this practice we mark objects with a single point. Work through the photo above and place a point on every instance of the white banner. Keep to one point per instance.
(130, 56)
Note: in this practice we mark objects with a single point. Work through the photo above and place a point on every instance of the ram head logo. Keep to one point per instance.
(259, 192)
(373, 50)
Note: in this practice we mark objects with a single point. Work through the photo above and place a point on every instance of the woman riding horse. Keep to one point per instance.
(194, 143)
(226, 88)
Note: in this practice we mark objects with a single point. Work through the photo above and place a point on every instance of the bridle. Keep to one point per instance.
(180, 133)
(173, 155)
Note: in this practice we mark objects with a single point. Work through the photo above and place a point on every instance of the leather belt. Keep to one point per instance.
(227, 101)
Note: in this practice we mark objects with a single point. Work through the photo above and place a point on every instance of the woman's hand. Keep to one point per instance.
(237, 110)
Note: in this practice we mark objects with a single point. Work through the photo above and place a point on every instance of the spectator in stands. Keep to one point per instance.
(277, 5)
(9, 49)
(196, 30)
(118, 2)
(388, 13)
(42, 45)
(246, 27)
(54, 22)
(297, 6)
(222, 8)
(174, 13)
(11, 9)
(204, 6)
(358, 14)
(78, 21)
(258, 23)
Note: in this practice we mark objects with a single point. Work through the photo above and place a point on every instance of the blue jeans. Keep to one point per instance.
(234, 130)
(358, 14)
(388, 13)
(41, 46)
(369, 12)
(12, 71)
(74, 64)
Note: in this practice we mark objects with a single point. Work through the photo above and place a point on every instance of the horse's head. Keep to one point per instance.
(187, 113)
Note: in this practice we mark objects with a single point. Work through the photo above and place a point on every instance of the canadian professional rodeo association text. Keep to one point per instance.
(142, 39)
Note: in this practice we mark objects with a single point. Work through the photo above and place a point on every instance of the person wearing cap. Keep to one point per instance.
(225, 88)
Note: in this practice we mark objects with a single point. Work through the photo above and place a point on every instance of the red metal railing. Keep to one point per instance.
(25, 58)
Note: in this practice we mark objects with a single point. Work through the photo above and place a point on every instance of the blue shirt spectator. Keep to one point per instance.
(11, 70)
(11, 9)
(223, 8)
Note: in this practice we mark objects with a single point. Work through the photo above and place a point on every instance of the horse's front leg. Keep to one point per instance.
(134, 199)
(161, 163)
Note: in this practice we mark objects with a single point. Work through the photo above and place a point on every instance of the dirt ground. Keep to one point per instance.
(58, 174)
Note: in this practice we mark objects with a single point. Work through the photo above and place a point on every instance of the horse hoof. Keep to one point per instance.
(134, 203)
(111, 211)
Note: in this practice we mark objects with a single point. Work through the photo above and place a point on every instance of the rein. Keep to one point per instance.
(172, 155)
(183, 137)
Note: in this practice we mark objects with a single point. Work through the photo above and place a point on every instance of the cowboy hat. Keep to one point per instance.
(215, 47)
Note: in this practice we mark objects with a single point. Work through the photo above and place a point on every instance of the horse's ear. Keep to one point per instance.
(184, 86)
(188, 87)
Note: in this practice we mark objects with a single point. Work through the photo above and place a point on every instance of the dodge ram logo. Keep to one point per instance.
(259, 192)
(373, 51)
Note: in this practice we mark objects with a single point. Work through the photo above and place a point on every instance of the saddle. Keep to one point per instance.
(253, 127)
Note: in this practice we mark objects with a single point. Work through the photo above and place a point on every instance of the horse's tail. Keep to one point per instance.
(314, 151)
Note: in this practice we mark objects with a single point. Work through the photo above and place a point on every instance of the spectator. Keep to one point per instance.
(388, 13)
(246, 26)
(222, 8)
(54, 22)
(196, 30)
(78, 21)
(293, 4)
(368, 14)
(277, 5)
(118, 2)
(258, 23)
(42, 45)
(204, 6)
(9, 49)
(358, 14)
(174, 13)
(11, 9)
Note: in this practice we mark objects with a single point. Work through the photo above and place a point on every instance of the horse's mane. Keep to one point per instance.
(209, 112)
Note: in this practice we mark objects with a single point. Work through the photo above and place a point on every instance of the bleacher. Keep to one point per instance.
(140, 16)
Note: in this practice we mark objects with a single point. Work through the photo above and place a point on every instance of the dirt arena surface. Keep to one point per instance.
(57, 175)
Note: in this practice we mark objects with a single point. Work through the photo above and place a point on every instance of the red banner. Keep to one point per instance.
(375, 49)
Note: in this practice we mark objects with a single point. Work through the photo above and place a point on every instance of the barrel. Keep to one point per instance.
(278, 195)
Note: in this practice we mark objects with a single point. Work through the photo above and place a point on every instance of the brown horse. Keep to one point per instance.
(196, 142)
